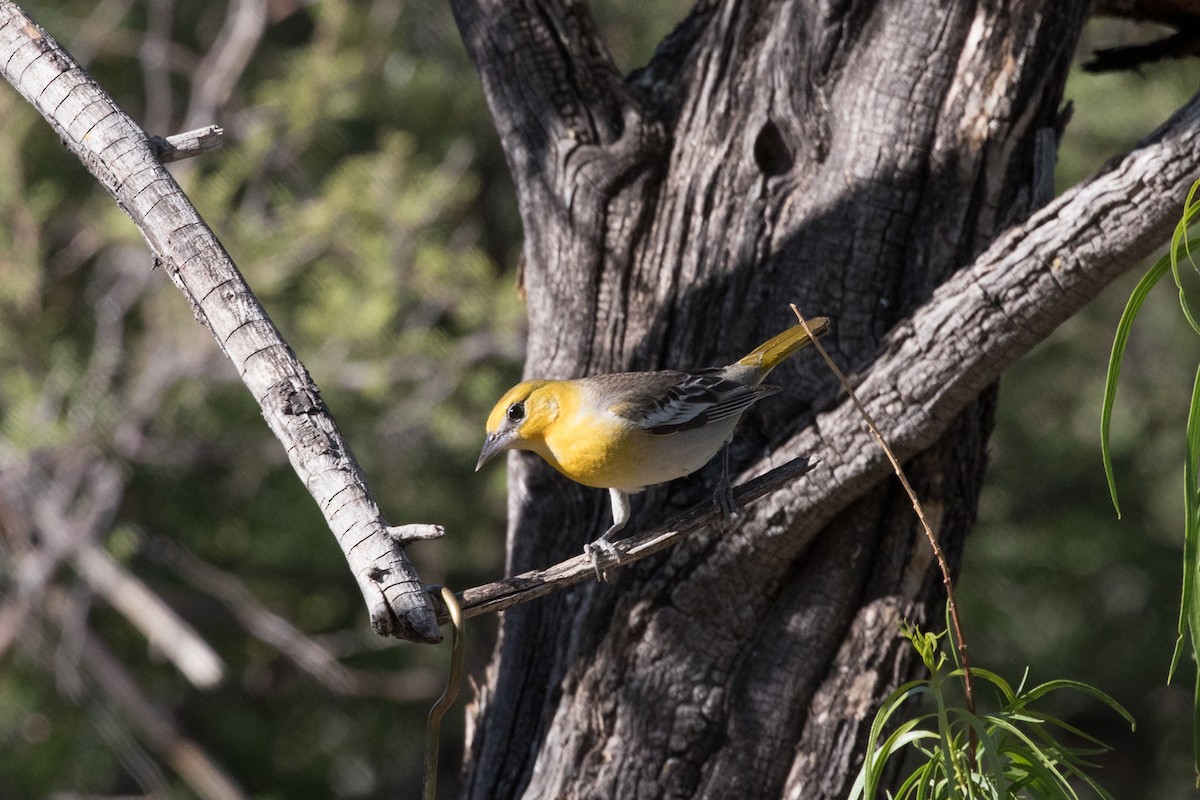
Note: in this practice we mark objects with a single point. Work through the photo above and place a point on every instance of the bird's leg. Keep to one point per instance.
(601, 552)
(723, 497)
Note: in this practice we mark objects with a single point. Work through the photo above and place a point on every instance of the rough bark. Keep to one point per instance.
(849, 157)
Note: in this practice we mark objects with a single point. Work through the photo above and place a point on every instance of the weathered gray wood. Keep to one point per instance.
(121, 156)
(522, 588)
(188, 144)
(848, 157)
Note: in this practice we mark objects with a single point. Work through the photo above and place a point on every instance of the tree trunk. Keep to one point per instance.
(848, 157)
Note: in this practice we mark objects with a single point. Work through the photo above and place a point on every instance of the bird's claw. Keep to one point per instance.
(603, 555)
(724, 501)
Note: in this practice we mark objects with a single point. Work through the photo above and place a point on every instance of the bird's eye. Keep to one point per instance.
(516, 412)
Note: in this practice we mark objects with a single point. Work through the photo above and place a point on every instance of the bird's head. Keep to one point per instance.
(519, 419)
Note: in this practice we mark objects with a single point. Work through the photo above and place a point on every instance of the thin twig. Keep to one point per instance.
(968, 683)
(536, 583)
(225, 62)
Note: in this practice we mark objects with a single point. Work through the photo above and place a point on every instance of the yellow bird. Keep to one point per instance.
(629, 430)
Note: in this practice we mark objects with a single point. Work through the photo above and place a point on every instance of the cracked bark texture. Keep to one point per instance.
(849, 157)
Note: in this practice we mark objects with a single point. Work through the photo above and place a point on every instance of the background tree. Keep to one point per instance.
(852, 157)
(378, 252)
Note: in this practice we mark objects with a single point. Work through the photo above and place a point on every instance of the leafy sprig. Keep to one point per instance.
(1189, 604)
(1018, 750)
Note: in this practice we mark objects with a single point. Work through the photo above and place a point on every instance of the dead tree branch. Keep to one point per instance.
(538, 583)
(1027, 283)
(121, 156)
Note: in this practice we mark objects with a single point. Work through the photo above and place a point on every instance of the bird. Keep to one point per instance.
(626, 431)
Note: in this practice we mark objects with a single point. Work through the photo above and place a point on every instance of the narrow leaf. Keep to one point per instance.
(1042, 690)
(1188, 611)
(1114, 364)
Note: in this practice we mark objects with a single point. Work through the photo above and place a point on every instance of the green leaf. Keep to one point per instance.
(1042, 762)
(1179, 241)
(1188, 611)
(988, 751)
(1132, 307)
(1006, 690)
(1189, 606)
(1196, 729)
(871, 776)
(1044, 689)
(959, 755)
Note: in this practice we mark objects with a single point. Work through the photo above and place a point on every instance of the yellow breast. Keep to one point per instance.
(590, 447)
(593, 446)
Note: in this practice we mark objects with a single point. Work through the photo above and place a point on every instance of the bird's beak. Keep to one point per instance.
(494, 443)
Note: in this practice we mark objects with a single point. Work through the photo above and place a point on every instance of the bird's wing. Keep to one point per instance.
(668, 402)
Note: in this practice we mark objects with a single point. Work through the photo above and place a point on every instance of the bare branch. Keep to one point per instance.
(1182, 15)
(159, 731)
(218, 73)
(66, 511)
(978, 323)
(154, 54)
(165, 630)
(1178, 45)
(67, 529)
(119, 154)
(538, 583)
(302, 650)
(1178, 13)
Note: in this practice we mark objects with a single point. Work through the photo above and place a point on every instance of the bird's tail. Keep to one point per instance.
(764, 358)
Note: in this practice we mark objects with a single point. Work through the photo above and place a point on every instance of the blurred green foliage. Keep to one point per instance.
(1051, 579)
(362, 191)
(357, 191)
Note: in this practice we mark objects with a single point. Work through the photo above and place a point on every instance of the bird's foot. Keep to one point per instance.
(724, 501)
(603, 555)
